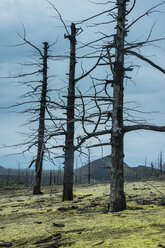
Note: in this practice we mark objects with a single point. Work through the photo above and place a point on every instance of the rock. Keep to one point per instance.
(161, 203)
(77, 201)
(63, 209)
(58, 225)
(82, 209)
(144, 202)
(137, 208)
(100, 243)
(6, 244)
(160, 245)
(146, 189)
(73, 207)
(94, 204)
(82, 197)
(55, 236)
(40, 201)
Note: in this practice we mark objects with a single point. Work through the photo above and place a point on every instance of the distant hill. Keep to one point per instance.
(145, 171)
(2, 168)
(99, 168)
(3, 171)
(100, 171)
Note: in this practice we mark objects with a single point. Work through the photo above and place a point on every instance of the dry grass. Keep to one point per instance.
(28, 221)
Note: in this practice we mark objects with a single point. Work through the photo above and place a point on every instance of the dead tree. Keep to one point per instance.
(71, 118)
(50, 178)
(18, 175)
(89, 167)
(117, 199)
(161, 163)
(117, 50)
(69, 142)
(38, 104)
(41, 129)
(152, 168)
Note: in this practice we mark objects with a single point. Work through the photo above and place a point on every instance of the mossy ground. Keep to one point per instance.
(28, 221)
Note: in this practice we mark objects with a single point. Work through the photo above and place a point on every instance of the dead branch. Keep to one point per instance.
(144, 127)
(149, 11)
(88, 72)
(98, 145)
(60, 16)
(94, 16)
(81, 140)
(144, 59)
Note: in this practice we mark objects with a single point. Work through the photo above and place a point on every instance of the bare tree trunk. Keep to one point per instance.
(18, 176)
(50, 178)
(76, 174)
(60, 176)
(145, 167)
(89, 169)
(26, 178)
(80, 175)
(161, 165)
(8, 177)
(41, 130)
(69, 143)
(152, 168)
(117, 199)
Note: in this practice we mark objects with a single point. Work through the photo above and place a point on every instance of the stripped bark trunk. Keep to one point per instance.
(41, 130)
(161, 164)
(69, 142)
(89, 167)
(117, 196)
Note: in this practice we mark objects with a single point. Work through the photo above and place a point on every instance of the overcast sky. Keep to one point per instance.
(147, 86)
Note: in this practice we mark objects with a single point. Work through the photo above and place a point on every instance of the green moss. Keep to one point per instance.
(26, 219)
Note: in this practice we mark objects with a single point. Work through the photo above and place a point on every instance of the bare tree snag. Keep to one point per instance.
(69, 142)
(117, 199)
(41, 130)
(89, 167)
(161, 163)
(117, 196)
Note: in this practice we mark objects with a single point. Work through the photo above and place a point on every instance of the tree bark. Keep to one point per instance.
(69, 142)
(117, 196)
(41, 130)
(89, 167)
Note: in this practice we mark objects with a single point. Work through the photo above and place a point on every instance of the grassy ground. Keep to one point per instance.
(44, 221)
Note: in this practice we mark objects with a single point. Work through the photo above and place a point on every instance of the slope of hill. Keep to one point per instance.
(100, 171)
(2, 169)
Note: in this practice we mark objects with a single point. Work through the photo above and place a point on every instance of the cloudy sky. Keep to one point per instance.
(147, 86)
